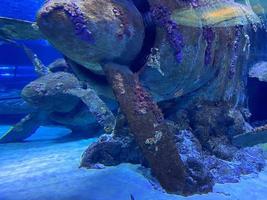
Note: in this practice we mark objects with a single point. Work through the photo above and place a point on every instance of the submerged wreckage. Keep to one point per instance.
(177, 69)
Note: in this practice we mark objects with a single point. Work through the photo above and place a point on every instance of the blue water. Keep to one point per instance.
(16, 73)
(22, 9)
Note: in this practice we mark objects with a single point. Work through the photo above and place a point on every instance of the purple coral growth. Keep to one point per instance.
(144, 103)
(209, 36)
(77, 18)
(162, 17)
(194, 3)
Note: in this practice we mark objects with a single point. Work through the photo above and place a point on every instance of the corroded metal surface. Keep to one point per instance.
(151, 132)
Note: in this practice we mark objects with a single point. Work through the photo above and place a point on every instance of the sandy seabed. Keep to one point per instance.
(47, 168)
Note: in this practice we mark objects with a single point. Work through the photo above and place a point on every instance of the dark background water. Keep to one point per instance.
(257, 90)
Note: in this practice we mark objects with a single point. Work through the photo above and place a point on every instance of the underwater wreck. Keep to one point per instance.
(178, 70)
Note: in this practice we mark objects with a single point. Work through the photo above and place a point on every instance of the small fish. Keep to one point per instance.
(132, 197)
(4, 40)
(10, 98)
